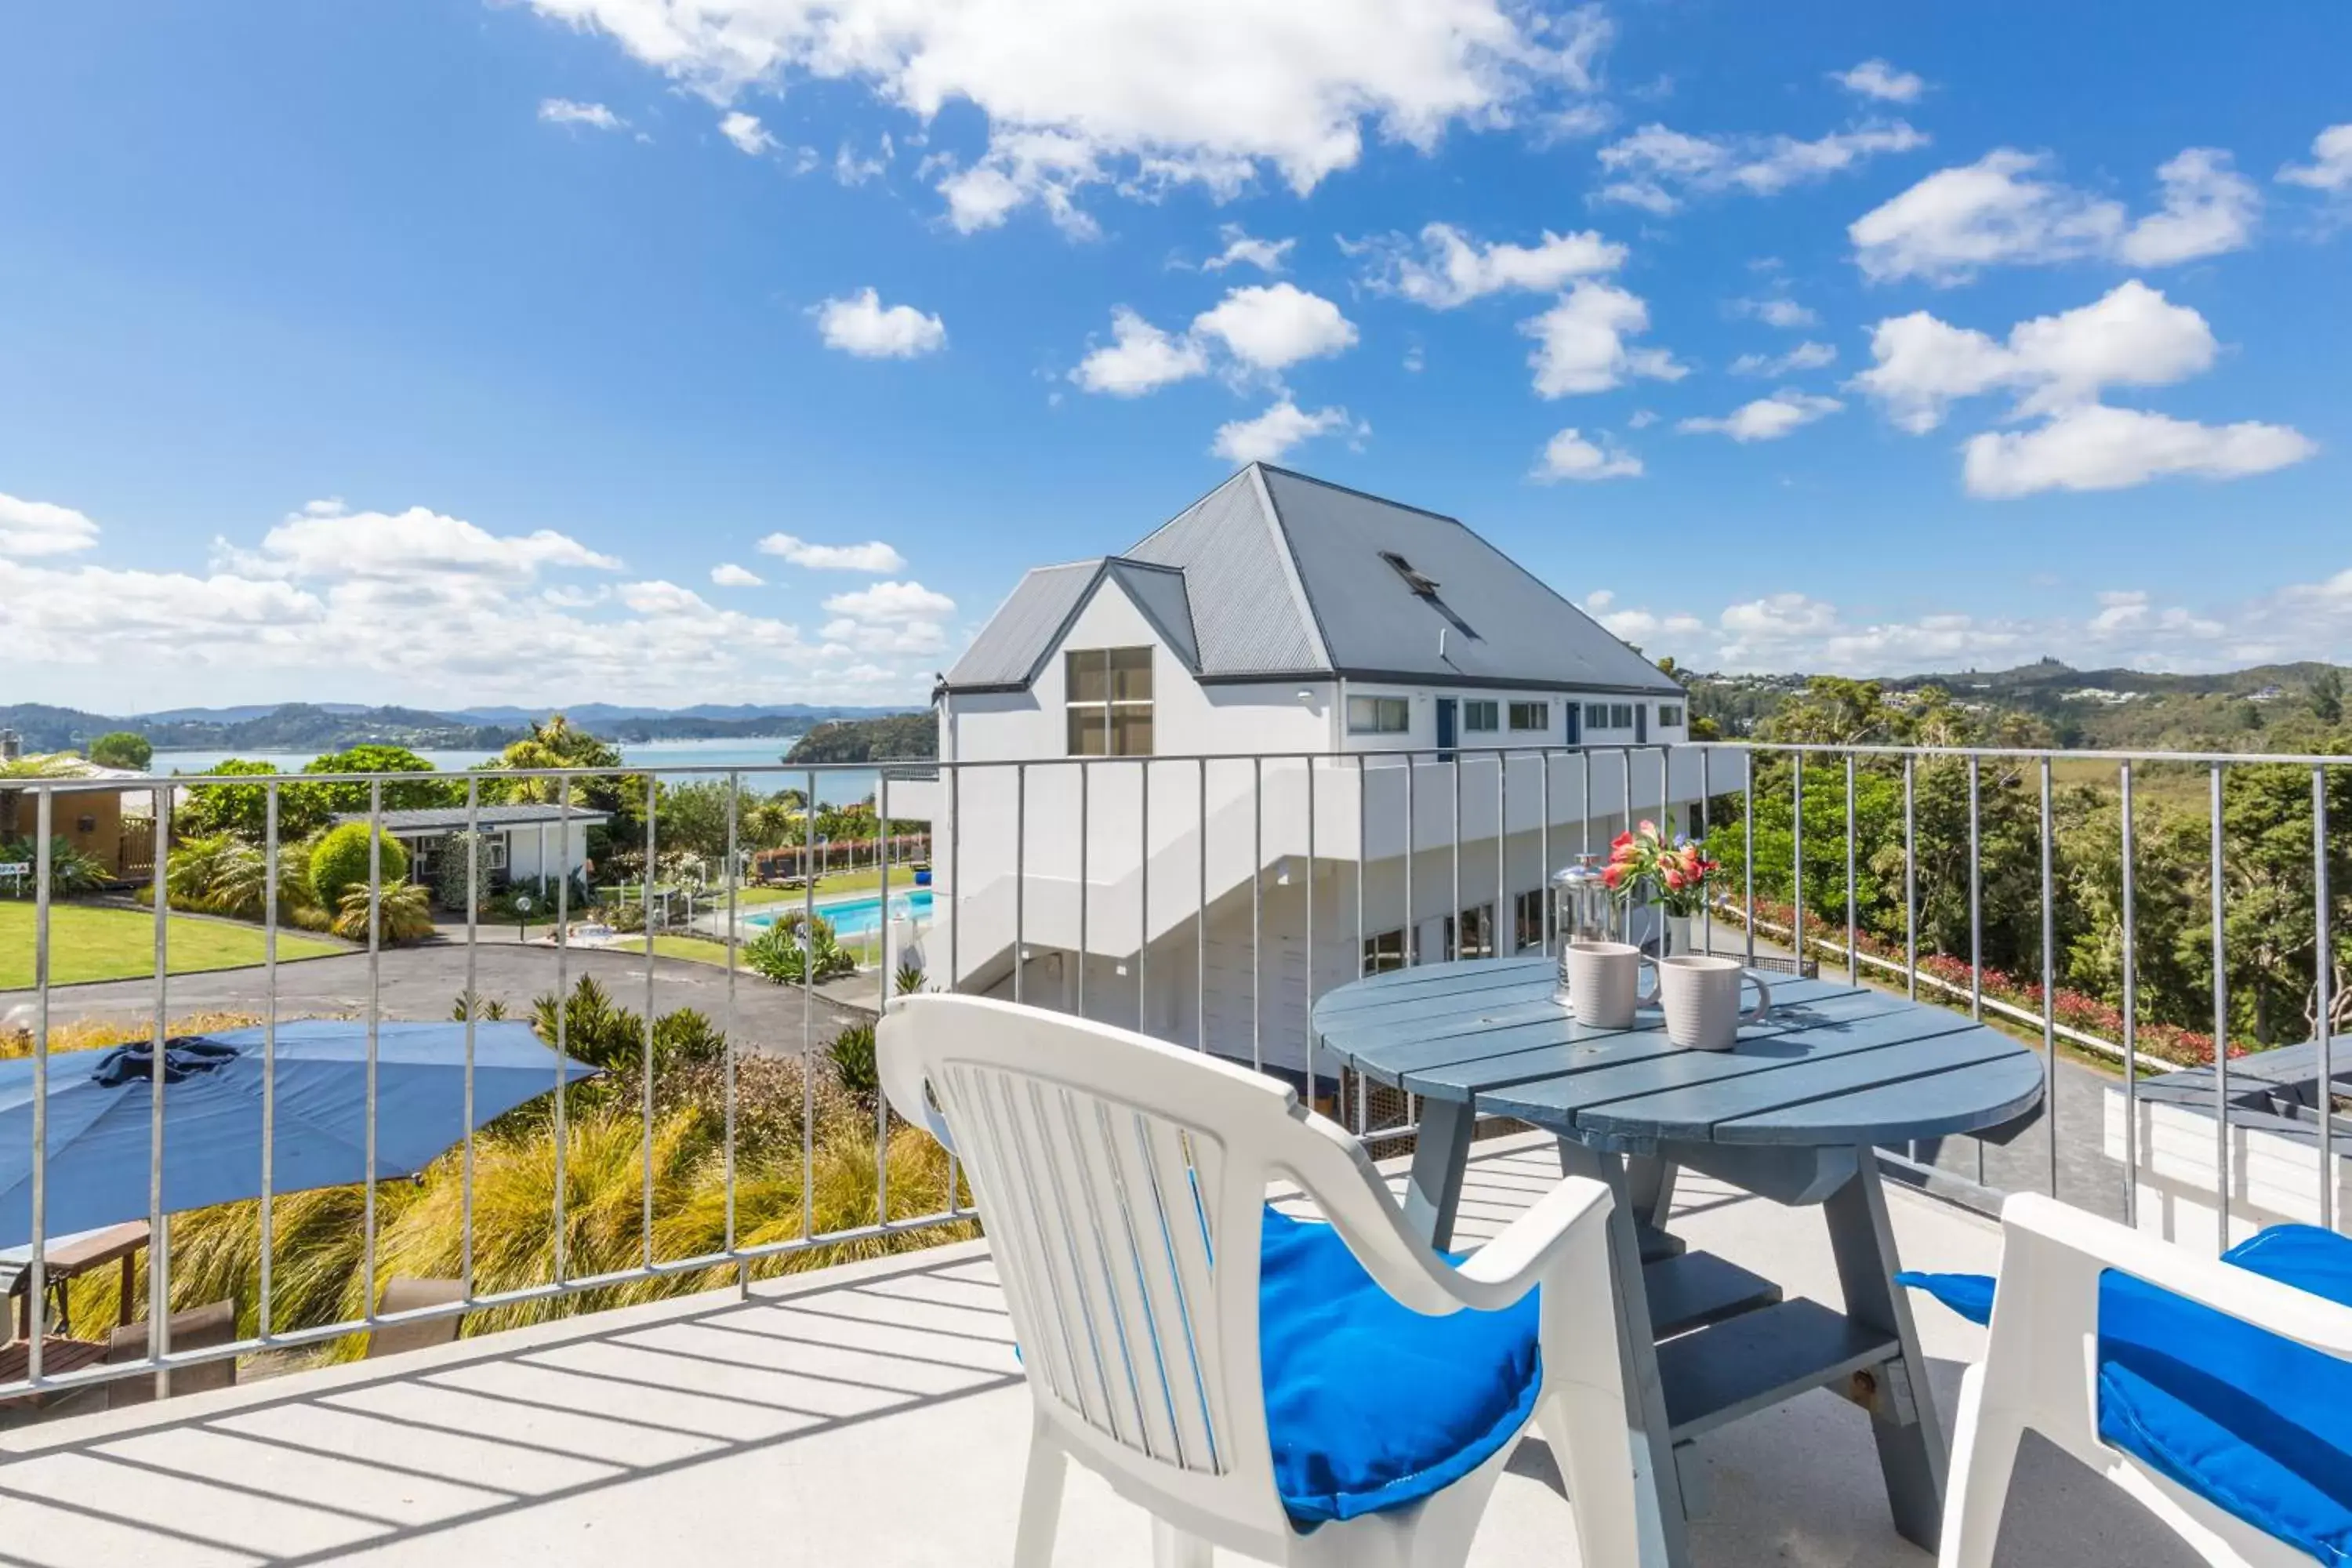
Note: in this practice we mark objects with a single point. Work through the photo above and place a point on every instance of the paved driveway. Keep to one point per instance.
(423, 982)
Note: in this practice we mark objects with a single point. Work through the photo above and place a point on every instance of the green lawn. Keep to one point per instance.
(87, 943)
(828, 885)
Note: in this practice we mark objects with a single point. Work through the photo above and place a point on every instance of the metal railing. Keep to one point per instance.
(1117, 887)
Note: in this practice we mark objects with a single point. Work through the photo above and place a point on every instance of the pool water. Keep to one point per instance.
(853, 918)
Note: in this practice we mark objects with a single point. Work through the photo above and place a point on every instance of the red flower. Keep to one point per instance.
(1612, 876)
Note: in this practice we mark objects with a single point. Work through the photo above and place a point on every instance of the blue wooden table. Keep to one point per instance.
(1791, 1113)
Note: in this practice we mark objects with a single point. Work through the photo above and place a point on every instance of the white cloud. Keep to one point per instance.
(1454, 268)
(871, 556)
(2208, 209)
(1876, 78)
(564, 112)
(857, 324)
(2330, 168)
(1271, 327)
(1767, 419)
(1580, 342)
(1570, 456)
(849, 169)
(1649, 167)
(1784, 313)
(1140, 358)
(1140, 96)
(42, 528)
(727, 574)
(1640, 419)
(2131, 336)
(1266, 438)
(751, 138)
(1265, 255)
(1639, 625)
(324, 541)
(1808, 355)
(891, 602)
(333, 600)
(1996, 211)
(2094, 447)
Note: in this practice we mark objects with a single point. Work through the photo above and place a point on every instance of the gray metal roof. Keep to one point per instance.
(425, 820)
(1500, 624)
(1275, 574)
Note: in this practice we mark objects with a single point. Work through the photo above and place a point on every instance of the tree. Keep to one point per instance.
(693, 817)
(242, 810)
(553, 743)
(122, 749)
(438, 790)
(2327, 696)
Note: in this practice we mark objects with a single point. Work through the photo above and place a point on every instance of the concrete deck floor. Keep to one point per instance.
(874, 1416)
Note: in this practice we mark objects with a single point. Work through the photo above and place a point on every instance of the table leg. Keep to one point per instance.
(1441, 1154)
(1657, 1474)
(1911, 1451)
(125, 1317)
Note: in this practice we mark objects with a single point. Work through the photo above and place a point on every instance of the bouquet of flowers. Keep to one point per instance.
(1673, 876)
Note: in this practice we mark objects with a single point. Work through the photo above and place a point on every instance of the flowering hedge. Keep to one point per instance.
(2077, 1010)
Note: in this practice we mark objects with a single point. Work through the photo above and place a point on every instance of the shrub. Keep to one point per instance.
(339, 862)
(449, 870)
(602, 1034)
(852, 1055)
(406, 913)
(910, 978)
(122, 749)
(490, 1011)
(779, 954)
(70, 871)
(686, 1035)
(223, 875)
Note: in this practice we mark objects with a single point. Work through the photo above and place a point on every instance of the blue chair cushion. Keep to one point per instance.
(1373, 1405)
(2258, 1425)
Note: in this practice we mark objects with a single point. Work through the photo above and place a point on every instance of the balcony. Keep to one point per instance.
(873, 1411)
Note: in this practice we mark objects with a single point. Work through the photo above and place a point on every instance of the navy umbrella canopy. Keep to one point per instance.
(100, 1105)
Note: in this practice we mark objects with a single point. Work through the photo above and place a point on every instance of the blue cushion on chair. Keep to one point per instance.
(1371, 1404)
(2258, 1425)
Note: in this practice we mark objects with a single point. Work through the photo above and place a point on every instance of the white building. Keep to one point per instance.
(526, 843)
(1157, 718)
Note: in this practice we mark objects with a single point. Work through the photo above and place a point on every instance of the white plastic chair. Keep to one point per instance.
(2040, 1373)
(1122, 1182)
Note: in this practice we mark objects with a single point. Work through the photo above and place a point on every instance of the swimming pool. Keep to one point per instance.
(856, 918)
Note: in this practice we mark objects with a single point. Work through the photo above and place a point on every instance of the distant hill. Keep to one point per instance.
(898, 738)
(333, 726)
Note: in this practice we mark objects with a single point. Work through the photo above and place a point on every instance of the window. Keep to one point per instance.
(1596, 716)
(1108, 693)
(1621, 716)
(1527, 716)
(1480, 713)
(1383, 953)
(1527, 919)
(1477, 929)
(1670, 715)
(1379, 715)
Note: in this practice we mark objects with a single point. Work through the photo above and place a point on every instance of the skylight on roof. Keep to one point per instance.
(1424, 586)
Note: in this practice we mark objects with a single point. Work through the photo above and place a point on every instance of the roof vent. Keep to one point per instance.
(1424, 586)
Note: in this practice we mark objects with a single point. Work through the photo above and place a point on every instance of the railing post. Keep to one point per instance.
(2049, 981)
(2222, 1161)
(2323, 1003)
(36, 1294)
(2129, 858)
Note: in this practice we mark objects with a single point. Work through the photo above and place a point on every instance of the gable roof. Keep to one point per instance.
(1277, 575)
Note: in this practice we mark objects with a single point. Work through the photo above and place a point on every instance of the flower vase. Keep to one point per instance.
(1675, 936)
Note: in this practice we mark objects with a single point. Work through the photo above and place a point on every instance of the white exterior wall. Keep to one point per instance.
(1252, 798)
(533, 851)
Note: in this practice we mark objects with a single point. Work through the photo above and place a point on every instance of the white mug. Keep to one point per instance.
(1700, 997)
(1604, 983)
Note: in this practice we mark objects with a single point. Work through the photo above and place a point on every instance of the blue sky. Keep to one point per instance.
(441, 352)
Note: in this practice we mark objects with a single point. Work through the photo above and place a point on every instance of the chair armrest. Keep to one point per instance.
(900, 1069)
(2037, 1228)
(1353, 1197)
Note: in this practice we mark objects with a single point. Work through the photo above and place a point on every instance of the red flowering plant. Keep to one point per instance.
(1675, 876)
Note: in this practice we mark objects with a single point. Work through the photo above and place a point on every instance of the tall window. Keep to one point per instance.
(1527, 716)
(1480, 714)
(1379, 715)
(1670, 715)
(1527, 924)
(1476, 937)
(1596, 716)
(1620, 715)
(1108, 691)
(1384, 952)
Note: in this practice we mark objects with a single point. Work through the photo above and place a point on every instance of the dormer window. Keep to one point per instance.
(1107, 691)
(1424, 586)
